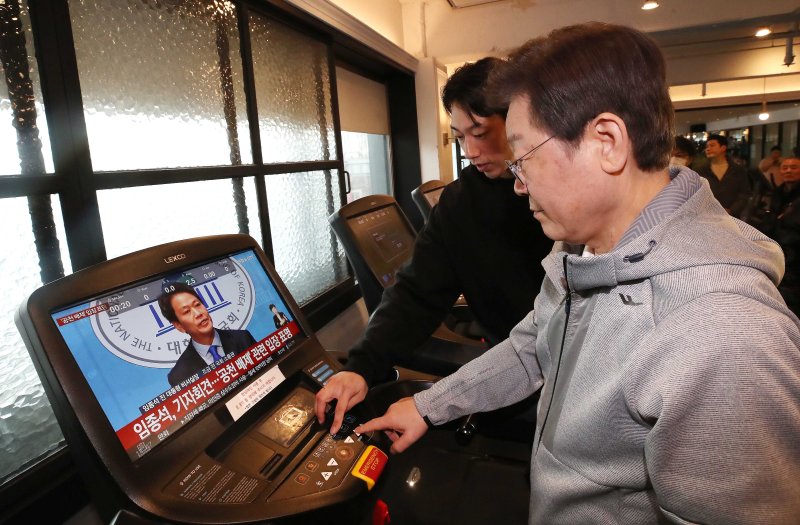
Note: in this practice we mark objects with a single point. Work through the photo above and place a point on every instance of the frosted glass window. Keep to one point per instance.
(308, 256)
(20, 99)
(293, 90)
(161, 83)
(137, 218)
(28, 428)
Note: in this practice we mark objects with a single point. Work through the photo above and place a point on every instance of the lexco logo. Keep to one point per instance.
(172, 258)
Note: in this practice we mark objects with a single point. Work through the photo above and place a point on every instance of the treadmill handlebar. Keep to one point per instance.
(466, 430)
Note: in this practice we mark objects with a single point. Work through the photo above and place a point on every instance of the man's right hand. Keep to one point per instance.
(402, 423)
(348, 389)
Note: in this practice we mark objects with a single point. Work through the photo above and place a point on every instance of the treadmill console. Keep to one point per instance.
(378, 240)
(385, 239)
(183, 376)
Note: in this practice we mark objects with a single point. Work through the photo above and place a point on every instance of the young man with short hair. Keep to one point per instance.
(480, 241)
(667, 361)
(729, 182)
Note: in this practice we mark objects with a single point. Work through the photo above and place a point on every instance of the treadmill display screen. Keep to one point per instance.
(158, 353)
(386, 241)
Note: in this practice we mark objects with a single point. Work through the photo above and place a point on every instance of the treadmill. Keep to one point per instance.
(379, 239)
(427, 195)
(237, 440)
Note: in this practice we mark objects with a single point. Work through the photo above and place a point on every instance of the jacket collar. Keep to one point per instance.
(717, 238)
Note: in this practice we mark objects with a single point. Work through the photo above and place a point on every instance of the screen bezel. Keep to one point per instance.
(65, 383)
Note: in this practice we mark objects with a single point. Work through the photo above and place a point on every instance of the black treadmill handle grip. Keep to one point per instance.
(466, 430)
(125, 517)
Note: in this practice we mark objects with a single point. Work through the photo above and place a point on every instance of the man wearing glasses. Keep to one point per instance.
(669, 365)
(480, 241)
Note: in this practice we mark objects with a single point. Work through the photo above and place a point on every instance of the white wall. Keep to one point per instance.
(428, 117)
(444, 146)
(384, 16)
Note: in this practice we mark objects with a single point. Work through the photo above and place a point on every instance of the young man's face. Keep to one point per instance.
(566, 193)
(790, 170)
(714, 149)
(193, 318)
(482, 140)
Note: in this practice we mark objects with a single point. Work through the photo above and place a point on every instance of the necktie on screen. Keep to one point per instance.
(213, 350)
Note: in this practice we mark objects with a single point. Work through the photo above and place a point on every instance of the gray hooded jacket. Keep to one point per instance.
(670, 375)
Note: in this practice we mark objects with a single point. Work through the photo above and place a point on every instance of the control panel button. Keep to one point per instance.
(323, 469)
(302, 478)
(344, 453)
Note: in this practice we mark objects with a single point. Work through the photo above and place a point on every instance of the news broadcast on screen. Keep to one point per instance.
(147, 371)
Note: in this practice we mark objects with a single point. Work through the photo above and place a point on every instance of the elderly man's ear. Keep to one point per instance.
(609, 135)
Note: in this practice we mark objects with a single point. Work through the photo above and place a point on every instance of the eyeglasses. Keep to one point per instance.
(515, 166)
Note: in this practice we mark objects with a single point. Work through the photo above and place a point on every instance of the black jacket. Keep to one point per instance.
(189, 363)
(787, 233)
(481, 240)
(733, 190)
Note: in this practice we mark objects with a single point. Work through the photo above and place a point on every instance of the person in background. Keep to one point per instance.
(787, 230)
(278, 317)
(729, 182)
(683, 153)
(480, 241)
(770, 167)
(668, 363)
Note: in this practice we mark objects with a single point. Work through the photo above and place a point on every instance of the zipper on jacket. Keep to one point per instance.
(567, 305)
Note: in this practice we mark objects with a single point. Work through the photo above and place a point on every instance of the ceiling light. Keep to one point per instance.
(650, 4)
(764, 115)
(762, 31)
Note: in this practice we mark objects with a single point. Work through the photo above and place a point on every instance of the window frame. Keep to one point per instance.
(77, 183)
(50, 486)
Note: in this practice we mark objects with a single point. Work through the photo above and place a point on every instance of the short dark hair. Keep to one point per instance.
(774, 148)
(467, 87)
(722, 140)
(577, 72)
(685, 145)
(165, 300)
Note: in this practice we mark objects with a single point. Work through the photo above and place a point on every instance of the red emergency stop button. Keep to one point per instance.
(380, 513)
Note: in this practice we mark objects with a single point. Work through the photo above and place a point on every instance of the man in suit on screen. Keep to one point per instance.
(183, 308)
